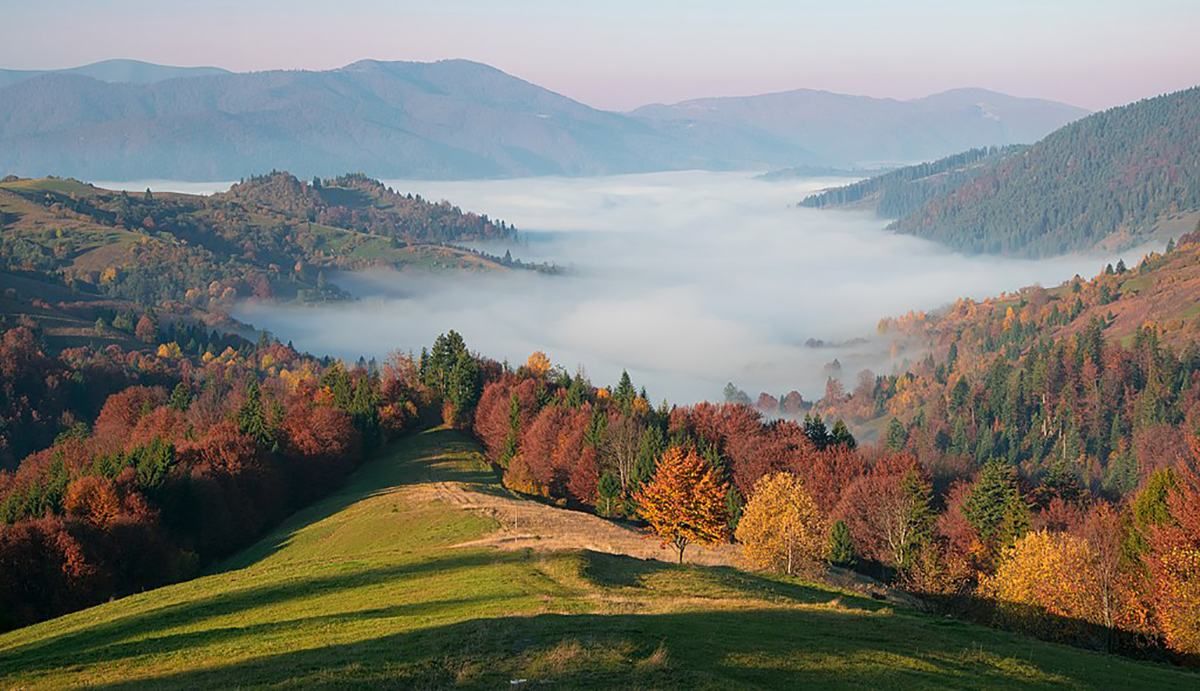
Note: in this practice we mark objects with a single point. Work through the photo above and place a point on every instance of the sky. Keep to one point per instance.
(619, 54)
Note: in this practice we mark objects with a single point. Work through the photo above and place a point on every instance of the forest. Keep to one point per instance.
(897, 193)
(268, 236)
(1115, 178)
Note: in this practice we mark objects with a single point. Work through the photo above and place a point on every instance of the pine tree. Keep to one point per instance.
(625, 393)
(840, 436)
(897, 435)
(994, 506)
(609, 489)
(252, 418)
(181, 397)
(841, 545)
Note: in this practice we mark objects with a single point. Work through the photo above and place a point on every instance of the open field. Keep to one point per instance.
(396, 580)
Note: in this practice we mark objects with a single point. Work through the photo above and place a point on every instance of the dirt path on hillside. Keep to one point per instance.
(525, 523)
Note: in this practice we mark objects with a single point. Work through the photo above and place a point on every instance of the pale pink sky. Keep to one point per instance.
(623, 53)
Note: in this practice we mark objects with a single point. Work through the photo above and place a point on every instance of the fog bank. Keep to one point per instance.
(688, 280)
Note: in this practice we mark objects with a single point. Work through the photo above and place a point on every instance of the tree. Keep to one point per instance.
(840, 436)
(146, 330)
(181, 397)
(815, 430)
(888, 511)
(735, 395)
(538, 364)
(994, 505)
(252, 418)
(781, 528)
(1045, 573)
(621, 443)
(609, 489)
(897, 436)
(841, 545)
(451, 371)
(625, 393)
(1173, 561)
(684, 502)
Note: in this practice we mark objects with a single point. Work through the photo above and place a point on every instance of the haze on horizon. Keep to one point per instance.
(622, 54)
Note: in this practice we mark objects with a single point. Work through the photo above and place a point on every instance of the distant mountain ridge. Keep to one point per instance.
(117, 71)
(457, 119)
(861, 130)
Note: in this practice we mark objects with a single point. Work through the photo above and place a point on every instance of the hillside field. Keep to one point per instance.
(370, 587)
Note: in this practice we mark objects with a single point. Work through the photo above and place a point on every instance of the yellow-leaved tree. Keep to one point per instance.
(781, 528)
(685, 501)
(1046, 584)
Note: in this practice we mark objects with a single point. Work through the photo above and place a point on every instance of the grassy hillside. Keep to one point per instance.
(367, 587)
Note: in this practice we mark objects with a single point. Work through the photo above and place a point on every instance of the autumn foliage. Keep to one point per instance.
(684, 502)
(781, 528)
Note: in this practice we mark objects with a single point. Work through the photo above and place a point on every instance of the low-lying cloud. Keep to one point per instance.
(688, 280)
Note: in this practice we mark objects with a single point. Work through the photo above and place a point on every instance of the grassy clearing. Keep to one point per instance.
(367, 588)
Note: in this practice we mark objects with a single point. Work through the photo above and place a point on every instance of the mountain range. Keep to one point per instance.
(458, 119)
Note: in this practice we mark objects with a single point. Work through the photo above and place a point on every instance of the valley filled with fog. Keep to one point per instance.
(688, 280)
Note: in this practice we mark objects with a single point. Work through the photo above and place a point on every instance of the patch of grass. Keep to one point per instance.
(368, 588)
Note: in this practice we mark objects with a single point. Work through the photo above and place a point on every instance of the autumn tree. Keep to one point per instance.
(781, 528)
(1047, 584)
(684, 502)
(888, 511)
(1174, 565)
(538, 364)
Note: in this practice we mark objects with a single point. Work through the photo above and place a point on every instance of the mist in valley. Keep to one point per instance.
(688, 280)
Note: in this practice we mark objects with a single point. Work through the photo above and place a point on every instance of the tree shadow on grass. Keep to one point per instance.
(118, 638)
(615, 571)
(772, 648)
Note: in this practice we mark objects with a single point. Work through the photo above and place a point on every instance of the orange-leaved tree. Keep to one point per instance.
(782, 529)
(685, 501)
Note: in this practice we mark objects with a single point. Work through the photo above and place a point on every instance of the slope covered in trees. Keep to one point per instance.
(384, 583)
(899, 192)
(1114, 178)
(72, 254)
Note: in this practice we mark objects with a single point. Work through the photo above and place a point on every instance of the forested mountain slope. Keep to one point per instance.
(375, 586)
(1114, 178)
(268, 236)
(899, 192)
